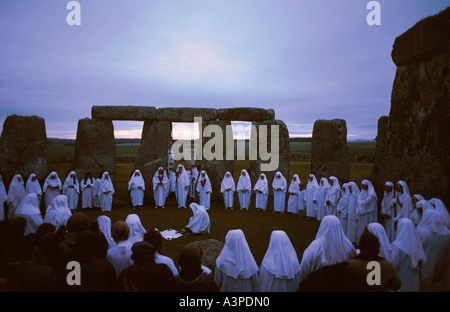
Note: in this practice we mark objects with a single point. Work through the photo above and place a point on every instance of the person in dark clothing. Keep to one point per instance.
(369, 246)
(97, 273)
(192, 278)
(145, 275)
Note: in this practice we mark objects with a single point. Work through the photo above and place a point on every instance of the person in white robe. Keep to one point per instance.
(387, 211)
(408, 256)
(87, 191)
(137, 230)
(3, 199)
(261, 193)
(301, 199)
(320, 197)
(105, 192)
(402, 201)
(440, 207)
(119, 255)
(104, 224)
(16, 193)
(172, 182)
(136, 187)
(29, 209)
(193, 181)
(236, 269)
(227, 188)
(244, 189)
(330, 246)
(33, 186)
(182, 186)
(199, 223)
(333, 196)
(416, 213)
(342, 208)
(71, 189)
(419, 208)
(294, 191)
(96, 191)
(351, 219)
(160, 187)
(385, 246)
(279, 186)
(52, 187)
(435, 239)
(367, 202)
(204, 190)
(311, 188)
(280, 268)
(58, 212)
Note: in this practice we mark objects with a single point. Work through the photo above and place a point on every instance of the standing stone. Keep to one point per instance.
(418, 136)
(23, 148)
(211, 249)
(329, 150)
(283, 152)
(95, 148)
(216, 168)
(153, 152)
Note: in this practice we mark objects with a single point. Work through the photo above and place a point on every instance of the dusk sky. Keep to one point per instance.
(306, 59)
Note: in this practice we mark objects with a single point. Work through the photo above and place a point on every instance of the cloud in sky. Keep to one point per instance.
(308, 60)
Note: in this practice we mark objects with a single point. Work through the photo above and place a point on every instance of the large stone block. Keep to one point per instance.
(156, 141)
(211, 249)
(124, 112)
(95, 148)
(216, 168)
(418, 134)
(245, 114)
(329, 150)
(23, 148)
(283, 154)
(185, 114)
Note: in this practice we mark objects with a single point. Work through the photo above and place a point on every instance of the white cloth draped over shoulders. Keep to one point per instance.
(279, 186)
(137, 230)
(294, 191)
(199, 222)
(330, 246)
(87, 192)
(105, 192)
(16, 193)
(385, 246)
(58, 212)
(204, 189)
(280, 268)
(29, 209)
(33, 186)
(261, 189)
(244, 188)
(104, 224)
(161, 186)
(227, 188)
(71, 188)
(136, 187)
(311, 188)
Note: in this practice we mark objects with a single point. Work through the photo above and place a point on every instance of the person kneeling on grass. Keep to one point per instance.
(199, 223)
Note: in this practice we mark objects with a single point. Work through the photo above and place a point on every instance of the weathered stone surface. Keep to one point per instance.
(95, 148)
(185, 114)
(211, 250)
(124, 112)
(329, 150)
(283, 152)
(156, 141)
(23, 148)
(153, 152)
(428, 37)
(216, 168)
(418, 135)
(245, 114)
